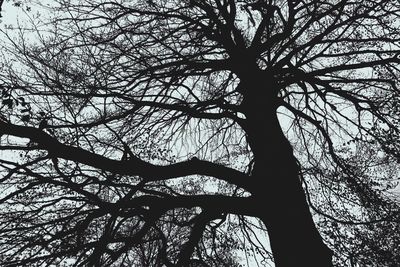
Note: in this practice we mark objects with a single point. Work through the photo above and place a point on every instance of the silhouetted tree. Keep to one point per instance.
(176, 133)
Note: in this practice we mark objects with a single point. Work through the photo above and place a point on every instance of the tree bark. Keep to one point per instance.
(294, 238)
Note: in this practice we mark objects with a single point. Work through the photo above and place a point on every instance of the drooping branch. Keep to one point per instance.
(133, 166)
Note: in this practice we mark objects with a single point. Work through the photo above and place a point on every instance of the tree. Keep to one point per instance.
(149, 133)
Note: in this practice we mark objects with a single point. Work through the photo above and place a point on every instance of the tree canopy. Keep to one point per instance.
(201, 133)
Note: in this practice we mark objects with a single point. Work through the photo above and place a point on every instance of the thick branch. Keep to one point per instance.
(195, 236)
(133, 166)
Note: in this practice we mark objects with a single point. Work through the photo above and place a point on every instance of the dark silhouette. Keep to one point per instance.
(176, 133)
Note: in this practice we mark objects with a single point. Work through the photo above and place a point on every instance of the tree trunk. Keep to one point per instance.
(294, 239)
(293, 236)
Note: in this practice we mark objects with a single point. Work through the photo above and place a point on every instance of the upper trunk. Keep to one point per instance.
(294, 238)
